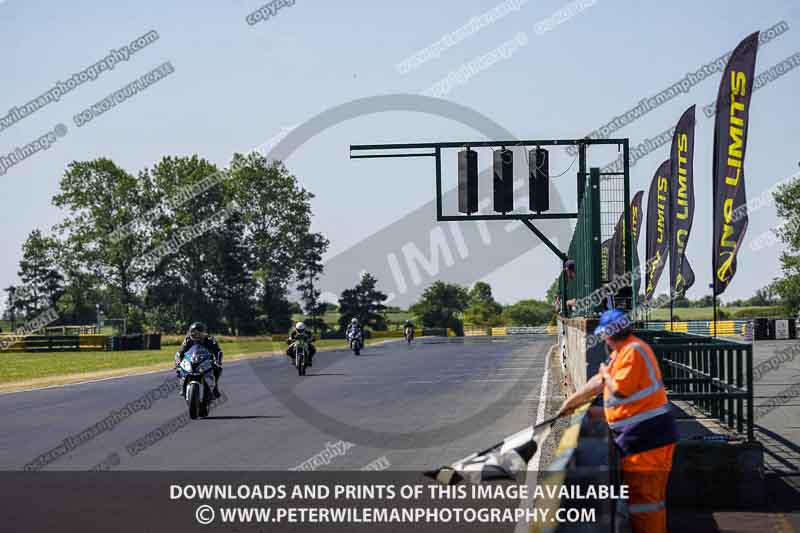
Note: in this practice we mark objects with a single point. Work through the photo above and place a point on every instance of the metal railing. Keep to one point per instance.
(715, 375)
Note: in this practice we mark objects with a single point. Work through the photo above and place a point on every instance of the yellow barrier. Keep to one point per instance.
(385, 334)
(499, 332)
(724, 327)
(92, 342)
(556, 477)
(476, 332)
(17, 346)
(451, 333)
(677, 326)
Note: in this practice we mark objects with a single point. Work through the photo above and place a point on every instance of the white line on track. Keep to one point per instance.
(532, 477)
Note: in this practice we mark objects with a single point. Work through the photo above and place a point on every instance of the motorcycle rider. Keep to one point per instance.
(198, 334)
(354, 329)
(301, 331)
(408, 325)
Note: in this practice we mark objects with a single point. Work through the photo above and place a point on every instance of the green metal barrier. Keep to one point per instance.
(584, 248)
(603, 200)
(715, 375)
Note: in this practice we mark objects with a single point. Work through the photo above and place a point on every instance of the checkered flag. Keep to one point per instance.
(506, 460)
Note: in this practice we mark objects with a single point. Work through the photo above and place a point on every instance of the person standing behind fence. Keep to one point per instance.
(570, 274)
(639, 416)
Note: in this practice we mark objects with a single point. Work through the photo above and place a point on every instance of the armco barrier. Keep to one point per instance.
(477, 332)
(724, 328)
(16, 344)
(92, 343)
(585, 457)
(438, 332)
(514, 330)
(525, 330)
(386, 334)
(52, 343)
(137, 341)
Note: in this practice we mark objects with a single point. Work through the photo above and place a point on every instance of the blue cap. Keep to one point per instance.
(611, 322)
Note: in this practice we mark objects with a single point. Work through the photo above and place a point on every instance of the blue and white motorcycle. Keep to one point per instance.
(197, 378)
(356, 339)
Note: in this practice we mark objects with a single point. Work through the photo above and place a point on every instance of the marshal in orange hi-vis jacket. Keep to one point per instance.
(639, 416)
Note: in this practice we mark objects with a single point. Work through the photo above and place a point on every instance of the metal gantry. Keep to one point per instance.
(587, 263)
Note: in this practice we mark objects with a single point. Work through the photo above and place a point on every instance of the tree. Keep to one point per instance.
(483, 310)
(82, 292)
(763, 297)
(42, 281)
(787, 203)
(13, 306)
(363, 302)
(681, 301)
(276, 212)
(328, 307)
(705, 301)
(529, 313)
(188, 243)
(181, 241)
(231, 284)
(313, 246)
(99, 198)
(440, 306)
(552, 291)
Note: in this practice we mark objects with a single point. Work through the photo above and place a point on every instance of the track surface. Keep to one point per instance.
(420, 406)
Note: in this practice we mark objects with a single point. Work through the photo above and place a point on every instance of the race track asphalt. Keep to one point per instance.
(409, 407)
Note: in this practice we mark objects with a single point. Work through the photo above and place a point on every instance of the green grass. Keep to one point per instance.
(21, 366)
(707, 313)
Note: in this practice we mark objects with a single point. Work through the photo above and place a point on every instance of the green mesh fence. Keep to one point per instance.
(601, 205)
(584, 248)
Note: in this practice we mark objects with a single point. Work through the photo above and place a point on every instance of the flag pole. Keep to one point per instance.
(672, 258)
(714, 251)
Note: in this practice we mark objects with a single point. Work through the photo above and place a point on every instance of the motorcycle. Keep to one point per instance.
(356, 342)
(197, 378)
(301, 352)
(408, 333)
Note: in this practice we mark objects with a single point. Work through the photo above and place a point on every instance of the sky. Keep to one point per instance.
(235, 86)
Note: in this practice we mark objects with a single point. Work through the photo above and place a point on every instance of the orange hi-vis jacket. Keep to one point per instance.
(639, 415)
(644, 430)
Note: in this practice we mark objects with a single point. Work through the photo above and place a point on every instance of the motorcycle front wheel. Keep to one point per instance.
(205, 405)
(193, 399)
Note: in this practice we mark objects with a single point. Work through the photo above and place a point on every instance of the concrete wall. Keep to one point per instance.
(581, 352)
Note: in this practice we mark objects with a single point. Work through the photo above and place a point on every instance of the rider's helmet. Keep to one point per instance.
(408, 323)
(354, 321)
(198, 332)
(300, 327)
